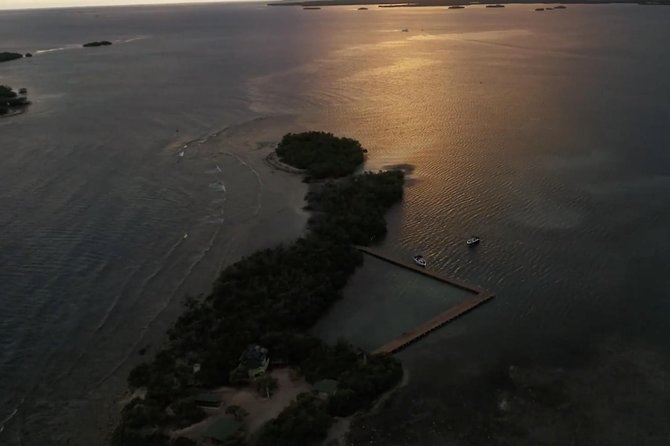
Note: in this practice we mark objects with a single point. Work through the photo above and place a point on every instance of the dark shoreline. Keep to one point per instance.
(266, 302)
(427, 3)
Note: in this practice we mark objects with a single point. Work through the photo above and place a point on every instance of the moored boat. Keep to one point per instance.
(472, 241)
(420, 260)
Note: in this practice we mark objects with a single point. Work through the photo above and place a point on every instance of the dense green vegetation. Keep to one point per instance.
(5, 56)
(10, 99)
(99, 43)
(361, 379)
(352, 211)
(321, 154)
(303, 423)
(272, 298)
(7, 93)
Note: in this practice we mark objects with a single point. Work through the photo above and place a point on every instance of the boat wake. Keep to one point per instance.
(58, 49)
(75, 46)
(166, 304)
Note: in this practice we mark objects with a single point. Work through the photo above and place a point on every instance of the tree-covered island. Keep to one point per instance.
(262, 307)
(320, 154)
(7, 56)
(12, 102)
(97, 43)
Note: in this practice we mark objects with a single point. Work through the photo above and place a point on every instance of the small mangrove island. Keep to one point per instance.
(11, 102)
(6, 56)
(321, 154)
(95, 44)
(257, 317)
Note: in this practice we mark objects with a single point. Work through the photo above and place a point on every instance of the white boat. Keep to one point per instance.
(181, 154)
(419, 260)
(472, 241)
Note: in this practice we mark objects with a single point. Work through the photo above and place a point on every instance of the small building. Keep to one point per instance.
(222, 430)
(326, 387)
(207, 399)
(255, 360)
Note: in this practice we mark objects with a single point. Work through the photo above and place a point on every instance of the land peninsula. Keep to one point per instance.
(11, 102)
(7, 56)
(257, 318)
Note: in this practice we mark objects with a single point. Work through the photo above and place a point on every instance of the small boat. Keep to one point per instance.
(472, 241)
(185, 235)
(181, 154)
(419, 260)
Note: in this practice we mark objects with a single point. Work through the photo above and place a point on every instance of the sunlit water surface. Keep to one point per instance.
(543, 133)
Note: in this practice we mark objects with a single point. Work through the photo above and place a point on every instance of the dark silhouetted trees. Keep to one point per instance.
(321, 154)
(272, 298)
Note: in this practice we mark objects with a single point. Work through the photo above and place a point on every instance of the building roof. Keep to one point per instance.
(223, 428)
(328, 386)
(254, 356)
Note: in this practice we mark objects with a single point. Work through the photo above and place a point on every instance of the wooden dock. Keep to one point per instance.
(480, 297)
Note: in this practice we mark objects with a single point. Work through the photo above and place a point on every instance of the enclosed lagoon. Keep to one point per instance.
(382, 301)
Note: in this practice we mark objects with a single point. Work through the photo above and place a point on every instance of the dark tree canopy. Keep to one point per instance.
(98, 43)
(305, 422)
(7, 92)
(10, 99)
(321, 154)
(6, 56)
(272, 298)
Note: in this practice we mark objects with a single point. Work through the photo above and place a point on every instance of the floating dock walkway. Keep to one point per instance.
(480, 297)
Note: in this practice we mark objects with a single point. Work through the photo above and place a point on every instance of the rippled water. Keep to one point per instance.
(545, 134)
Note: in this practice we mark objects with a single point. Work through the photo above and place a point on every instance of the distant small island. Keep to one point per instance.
(94, 44)
(422, 3)
(495, 6)
(6, 56)
(12, 103)
(321, 154)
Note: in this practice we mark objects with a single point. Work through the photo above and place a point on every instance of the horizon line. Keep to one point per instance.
(131, 3)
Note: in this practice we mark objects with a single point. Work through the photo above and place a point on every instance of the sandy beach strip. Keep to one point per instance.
(264, 207)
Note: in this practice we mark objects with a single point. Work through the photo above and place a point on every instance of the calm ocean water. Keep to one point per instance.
(543, 133)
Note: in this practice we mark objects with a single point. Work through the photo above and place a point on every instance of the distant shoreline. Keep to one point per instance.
(427, 3)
